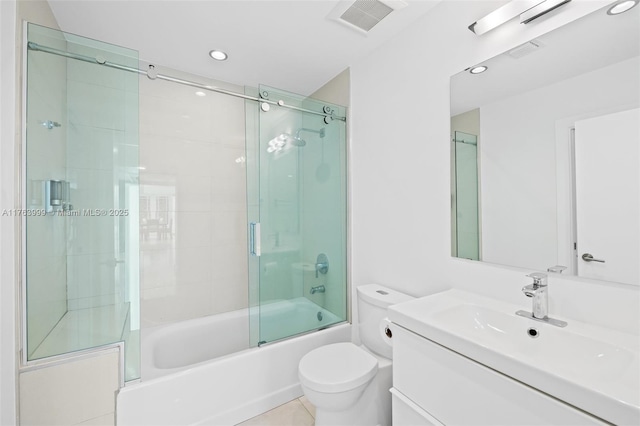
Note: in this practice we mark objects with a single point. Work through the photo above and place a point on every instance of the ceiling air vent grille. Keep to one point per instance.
(525, 49)
(366, 14)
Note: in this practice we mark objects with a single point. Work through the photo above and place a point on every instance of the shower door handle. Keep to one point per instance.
(254, 239)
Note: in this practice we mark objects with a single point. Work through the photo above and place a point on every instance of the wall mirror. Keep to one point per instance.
(545, 153)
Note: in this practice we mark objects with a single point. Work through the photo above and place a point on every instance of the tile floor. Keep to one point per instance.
(298, 412)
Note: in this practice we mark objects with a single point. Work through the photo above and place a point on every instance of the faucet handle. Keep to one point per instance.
(539, 278)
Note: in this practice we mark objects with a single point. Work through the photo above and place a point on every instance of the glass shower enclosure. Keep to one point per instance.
(296, 158)
(83, 223)
(467, 222)
(80, 187)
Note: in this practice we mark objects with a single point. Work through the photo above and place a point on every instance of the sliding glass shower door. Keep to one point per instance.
(297, 213)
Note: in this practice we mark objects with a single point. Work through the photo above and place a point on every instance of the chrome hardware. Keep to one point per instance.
(322, 264)
(317, 289)
(51, 124)
(265, 106)
(556, 269)
(538, 291)
(254, 239)
(588, 257)
(552, 321)
(152, 74)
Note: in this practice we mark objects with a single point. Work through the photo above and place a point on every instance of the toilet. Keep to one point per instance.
(349, 384)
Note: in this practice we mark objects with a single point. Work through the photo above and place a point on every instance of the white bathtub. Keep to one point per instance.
(203, 372)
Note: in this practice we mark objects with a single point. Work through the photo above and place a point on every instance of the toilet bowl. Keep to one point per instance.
(349, 384)
(335, 376)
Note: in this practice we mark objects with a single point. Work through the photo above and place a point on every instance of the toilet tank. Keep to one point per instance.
(373, 301)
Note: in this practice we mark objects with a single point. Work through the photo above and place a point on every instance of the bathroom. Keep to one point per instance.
(393, 205)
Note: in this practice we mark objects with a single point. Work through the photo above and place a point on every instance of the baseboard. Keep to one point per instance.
(254, 407)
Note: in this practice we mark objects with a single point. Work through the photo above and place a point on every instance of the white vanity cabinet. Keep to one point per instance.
(433, 385)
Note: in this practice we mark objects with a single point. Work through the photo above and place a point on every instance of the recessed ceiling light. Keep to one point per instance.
(478, 70)
(199, 93)
(218, 55)
(622, 6)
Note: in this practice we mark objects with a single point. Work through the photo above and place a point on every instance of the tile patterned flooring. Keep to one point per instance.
(298, 412)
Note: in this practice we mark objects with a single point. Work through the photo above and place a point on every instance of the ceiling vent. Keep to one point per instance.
(364, 14)
(525, 49)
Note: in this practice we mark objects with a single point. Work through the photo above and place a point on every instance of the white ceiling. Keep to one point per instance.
(290, 45)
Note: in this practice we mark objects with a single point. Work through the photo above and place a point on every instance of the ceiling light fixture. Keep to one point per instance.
(622, 6)
(478, 70)
(218, 55)
(528, 10)
(541, 9)
(199, 93)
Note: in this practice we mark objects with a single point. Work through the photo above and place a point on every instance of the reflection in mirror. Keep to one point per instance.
(467, 244)
(545, 153)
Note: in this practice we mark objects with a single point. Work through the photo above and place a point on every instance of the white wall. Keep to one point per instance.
(518, 154)
(8, 287)
(400, 166)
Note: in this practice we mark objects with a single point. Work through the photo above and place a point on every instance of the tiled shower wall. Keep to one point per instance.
(193, 258)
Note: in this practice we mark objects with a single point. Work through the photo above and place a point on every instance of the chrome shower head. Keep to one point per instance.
(298, 141)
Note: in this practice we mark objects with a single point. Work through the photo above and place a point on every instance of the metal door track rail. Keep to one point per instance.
(151, 74)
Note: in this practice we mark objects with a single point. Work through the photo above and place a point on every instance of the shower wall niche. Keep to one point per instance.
(81, 198)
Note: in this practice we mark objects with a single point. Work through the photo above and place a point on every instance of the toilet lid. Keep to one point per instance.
(336, 368)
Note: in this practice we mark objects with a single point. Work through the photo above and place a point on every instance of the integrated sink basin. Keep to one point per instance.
(592, 368)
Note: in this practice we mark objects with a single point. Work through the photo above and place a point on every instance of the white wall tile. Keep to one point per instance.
(192, 150)
(83, 109)
(70, 393)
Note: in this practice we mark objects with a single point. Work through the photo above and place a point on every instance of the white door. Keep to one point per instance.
(608, 196)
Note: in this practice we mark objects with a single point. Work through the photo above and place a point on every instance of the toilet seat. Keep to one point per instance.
(338, 367)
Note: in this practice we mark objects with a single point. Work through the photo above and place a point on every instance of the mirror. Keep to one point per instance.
(545, 153)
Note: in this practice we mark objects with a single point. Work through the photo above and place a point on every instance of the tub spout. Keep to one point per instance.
(317, 289)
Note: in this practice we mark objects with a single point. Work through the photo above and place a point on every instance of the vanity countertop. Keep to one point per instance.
(593, 368)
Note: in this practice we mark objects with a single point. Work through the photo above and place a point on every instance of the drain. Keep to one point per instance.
(532, 332)
(319, 315)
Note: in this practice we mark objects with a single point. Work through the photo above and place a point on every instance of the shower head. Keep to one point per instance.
(298, 141)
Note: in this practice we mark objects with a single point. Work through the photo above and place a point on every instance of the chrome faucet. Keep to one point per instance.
(317, 289)
(538, 291)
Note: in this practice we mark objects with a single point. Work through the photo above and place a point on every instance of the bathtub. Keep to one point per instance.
(203, 372)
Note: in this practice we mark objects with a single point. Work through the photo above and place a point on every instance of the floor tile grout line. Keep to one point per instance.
(305, 407)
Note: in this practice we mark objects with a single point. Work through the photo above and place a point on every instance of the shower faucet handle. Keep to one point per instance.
(322, 264)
